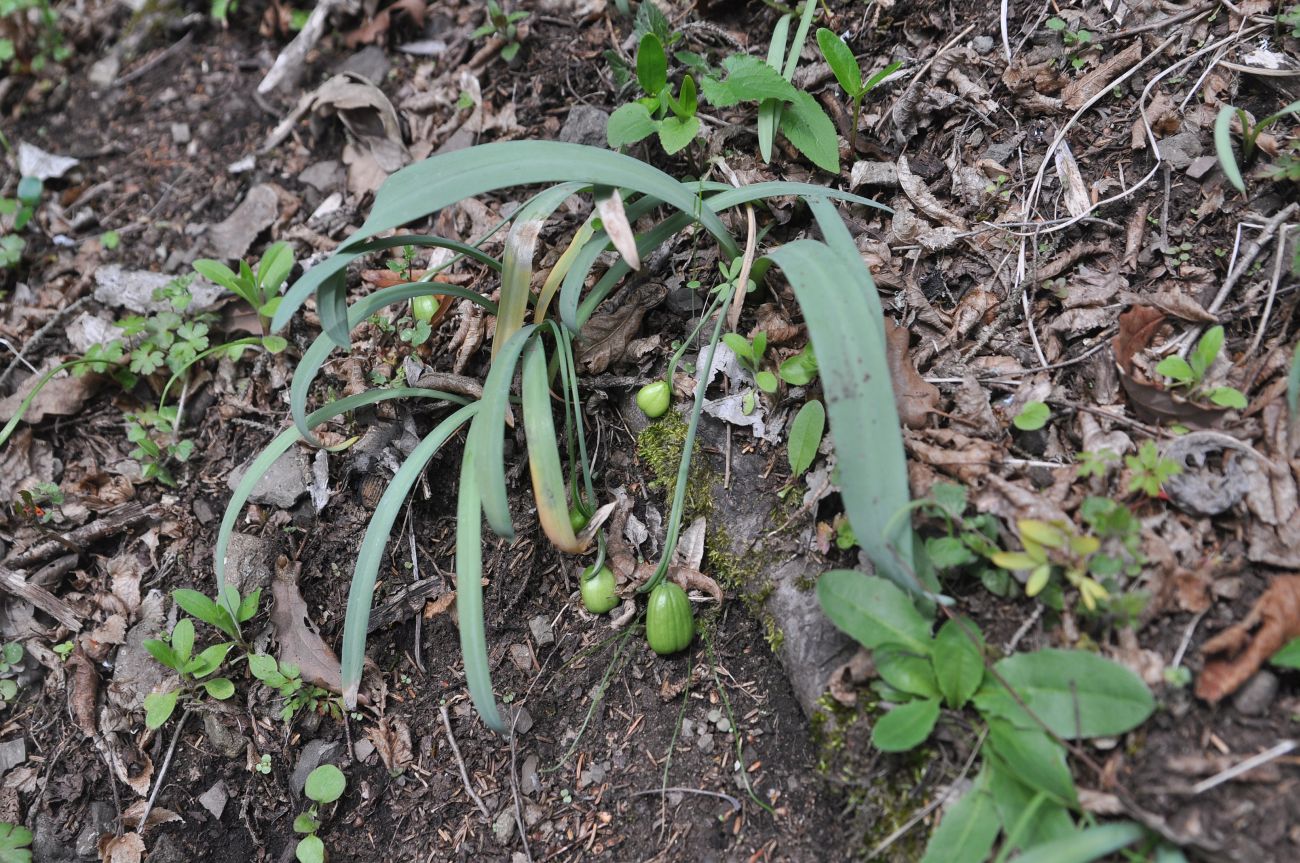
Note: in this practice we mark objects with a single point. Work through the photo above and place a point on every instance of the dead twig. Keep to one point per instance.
(112, 523)
(460, 762)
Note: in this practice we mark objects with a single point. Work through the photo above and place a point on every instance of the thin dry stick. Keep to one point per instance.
(167, 761)
(1245, 767)
(514, 789)
(1272, 290)
(460, 762)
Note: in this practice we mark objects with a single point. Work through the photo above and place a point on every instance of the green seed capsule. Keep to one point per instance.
(598, 593)
(577, 519)
(424, 308)
(669, 620)
(654, 399)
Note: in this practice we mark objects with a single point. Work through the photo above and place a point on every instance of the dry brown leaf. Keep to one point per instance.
(62, 396)
(24, 463)
(1137, 327)
(299, 642)
(769, 319)
(915, 397)
(1011, 502)
(1173, 303)
(1074, 191)
(606, 336)
(127, 848)
(1272, 622)
(916, 190)
(157, 815)
(971, 404)
(375, 29)
(958, 455)
(1099, 80)
(1076, 321)
(439, 605)
(392, 740)
(83, 692)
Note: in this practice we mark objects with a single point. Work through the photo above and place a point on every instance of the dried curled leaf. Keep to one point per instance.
(915, 397)
(1273, 622)
(300, 644)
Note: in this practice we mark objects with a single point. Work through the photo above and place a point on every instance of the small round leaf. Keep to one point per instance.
(325, 784)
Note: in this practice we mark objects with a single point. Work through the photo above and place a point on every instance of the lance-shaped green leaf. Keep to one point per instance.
(488, 430)
(373, 544)
(469, 594)
(544, 453)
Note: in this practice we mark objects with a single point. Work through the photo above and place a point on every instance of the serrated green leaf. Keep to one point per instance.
(812, 132)
(629, 124)
(958, 662)
(748, 79)
(872, 610)
(905, 727)
(806, 435)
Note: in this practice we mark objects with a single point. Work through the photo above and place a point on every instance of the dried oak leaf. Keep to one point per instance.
(1272, 622)
(392, 740)
(300, 644)
(127, 848)
(915, 397)
(606, 336)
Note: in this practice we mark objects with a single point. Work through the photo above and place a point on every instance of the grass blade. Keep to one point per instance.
(487, 434)
(315, 355)
(864, 422)
(469, 593)
(544, 453)
(373, 545)
(517, 260)
(281, 443)
(1223, 148)
(1087, 845)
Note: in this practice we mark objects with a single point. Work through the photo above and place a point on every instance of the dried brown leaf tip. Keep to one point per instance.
(1247, 645)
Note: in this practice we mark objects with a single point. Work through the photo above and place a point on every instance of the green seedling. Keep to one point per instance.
(849, 74)
(504, 25)
(1150, 469)
(1250, 133)
(1032, 417)
(969, 542)
(39, 20)
(15, 214)
(660, 112)
(259, 288)
(1190, 373)
(1075, 40)
(286, 680)
(324, 785)
(750, 354)
(1096, 463)
(1051, 548)
(806, 436)
(1026, 706)
(1291, 18)
(11, 655)
(40, 504)
(800, 369)
(263, 765)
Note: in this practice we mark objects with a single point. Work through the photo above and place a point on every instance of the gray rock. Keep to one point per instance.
(134, 290)
(250, 562)
(540, 627)
(1182, 149)
(529, 781)
(281, 486)
(1201, 166)
(12, 753)
(585, 125)
(1256, 696)
(230, 240)
(327, 176)
(225, 741)
(370, 63)
(521, 656)
(982, 44)
(181, 133)
(314, 754)
(214, 799)
(101, 820)
(504, 827)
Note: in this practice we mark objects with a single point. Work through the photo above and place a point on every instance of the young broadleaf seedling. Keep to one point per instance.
(849, 74)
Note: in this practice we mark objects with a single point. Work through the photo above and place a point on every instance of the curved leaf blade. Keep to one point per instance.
(469, 594)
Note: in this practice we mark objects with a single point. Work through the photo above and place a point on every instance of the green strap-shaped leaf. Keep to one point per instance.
(332, 306)
(968, 828)
(315, 355)
(426, 187)
(544, 453)
(487, 434)
(373, 544)
(517, 260)
(769, 110)
(860, 399)
(281, 443)
(1223, 148)
(1094, 843)
(469, 594)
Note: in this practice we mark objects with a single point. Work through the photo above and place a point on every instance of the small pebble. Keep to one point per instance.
(1256, 696)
